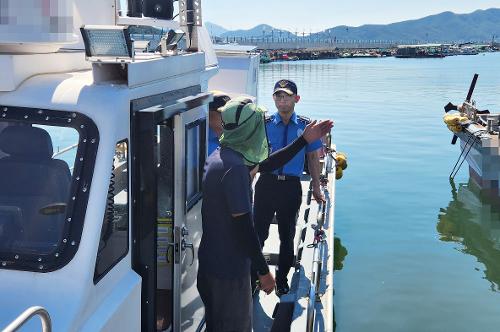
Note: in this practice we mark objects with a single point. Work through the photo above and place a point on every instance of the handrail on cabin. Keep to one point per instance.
(27, 315)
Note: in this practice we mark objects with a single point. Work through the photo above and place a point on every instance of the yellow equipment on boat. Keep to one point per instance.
(454, 119)
(454, 122)
(338, 173)
(341, 160)
(455, 128)
(341, 164)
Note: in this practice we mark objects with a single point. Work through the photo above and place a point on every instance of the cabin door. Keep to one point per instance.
(169, 154)
(190, 147)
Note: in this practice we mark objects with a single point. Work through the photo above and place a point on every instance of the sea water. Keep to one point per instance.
(417, 253)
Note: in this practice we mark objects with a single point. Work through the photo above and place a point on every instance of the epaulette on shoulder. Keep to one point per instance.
(304, 119)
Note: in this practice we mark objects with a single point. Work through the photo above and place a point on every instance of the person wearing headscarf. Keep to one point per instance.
(229, 244)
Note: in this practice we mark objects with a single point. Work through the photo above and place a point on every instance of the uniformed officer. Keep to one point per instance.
(215, 120)
(280, 192)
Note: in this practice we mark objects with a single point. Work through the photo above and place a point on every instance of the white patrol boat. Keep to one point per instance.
(102, 147)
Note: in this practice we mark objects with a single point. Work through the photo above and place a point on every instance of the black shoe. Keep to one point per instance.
(282, 289)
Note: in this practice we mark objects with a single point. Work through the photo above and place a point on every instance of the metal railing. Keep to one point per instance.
(319, 242)
(317, 266)
(313, 291)
(27, 315)
(330, 324)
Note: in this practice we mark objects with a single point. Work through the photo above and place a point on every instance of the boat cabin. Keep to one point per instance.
(101, 158)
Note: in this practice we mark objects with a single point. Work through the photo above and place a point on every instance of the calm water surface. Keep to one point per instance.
(421, 255)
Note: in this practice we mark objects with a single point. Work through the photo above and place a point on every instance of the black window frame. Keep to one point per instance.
(81, 181)
(99, 277)
(202, 124)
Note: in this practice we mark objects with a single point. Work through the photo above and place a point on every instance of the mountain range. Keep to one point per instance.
(480, 25)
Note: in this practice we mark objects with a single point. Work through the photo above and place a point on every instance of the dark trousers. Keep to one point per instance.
(228, 303)
(283, 198)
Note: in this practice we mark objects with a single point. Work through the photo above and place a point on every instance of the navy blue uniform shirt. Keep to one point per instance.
(226, 191)
(280, 135)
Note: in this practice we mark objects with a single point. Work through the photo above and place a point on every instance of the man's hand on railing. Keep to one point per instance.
(317, 193)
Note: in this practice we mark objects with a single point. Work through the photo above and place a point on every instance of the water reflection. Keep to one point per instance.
(473, 220)
(339, 254)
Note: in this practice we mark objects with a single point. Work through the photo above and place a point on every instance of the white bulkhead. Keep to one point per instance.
(47, 82)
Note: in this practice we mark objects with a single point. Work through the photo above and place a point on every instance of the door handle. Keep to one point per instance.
(187, 245)
(181, 244)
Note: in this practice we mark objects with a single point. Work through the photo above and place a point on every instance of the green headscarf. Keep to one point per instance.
(244, 130)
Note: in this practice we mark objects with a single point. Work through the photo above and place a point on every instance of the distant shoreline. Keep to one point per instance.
(443, 27)
(402, 51)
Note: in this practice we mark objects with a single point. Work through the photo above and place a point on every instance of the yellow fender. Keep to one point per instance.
(341, 160)
(338, 173)
(341, 165)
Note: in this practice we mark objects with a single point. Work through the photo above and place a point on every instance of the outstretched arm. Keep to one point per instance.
(282, 156)
(313, 131)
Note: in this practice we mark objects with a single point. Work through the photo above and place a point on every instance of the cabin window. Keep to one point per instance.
(46, 166)
(113, 243)
(195, 160)
(36, 164)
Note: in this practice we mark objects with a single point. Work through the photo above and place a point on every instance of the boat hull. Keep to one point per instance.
(482, 152)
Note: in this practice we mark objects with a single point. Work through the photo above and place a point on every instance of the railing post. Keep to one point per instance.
(27, 315)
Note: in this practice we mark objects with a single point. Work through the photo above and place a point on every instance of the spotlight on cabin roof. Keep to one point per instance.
(107, 43)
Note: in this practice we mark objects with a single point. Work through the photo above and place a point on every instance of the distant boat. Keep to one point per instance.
(420, 51)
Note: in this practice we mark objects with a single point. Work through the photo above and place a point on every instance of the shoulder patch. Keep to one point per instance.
(303, 119)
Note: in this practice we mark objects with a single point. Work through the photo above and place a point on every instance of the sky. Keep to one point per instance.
(314, 16)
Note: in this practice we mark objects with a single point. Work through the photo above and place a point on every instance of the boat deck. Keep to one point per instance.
(291, 312)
